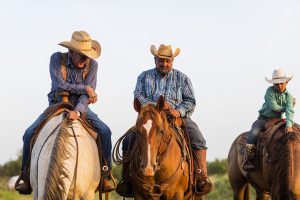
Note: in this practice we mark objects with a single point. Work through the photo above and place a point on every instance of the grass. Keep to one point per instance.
(221, 191)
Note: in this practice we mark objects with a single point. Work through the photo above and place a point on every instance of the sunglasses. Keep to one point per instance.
(82, 57)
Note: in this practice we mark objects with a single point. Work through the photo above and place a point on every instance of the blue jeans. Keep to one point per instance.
(100, 127)
(257, 127)
(196, 138)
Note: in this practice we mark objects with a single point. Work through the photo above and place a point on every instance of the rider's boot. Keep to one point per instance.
(124, 187)
(203, 183)
(25, 187)
(105, 172)
(249, 157)
(106, 185)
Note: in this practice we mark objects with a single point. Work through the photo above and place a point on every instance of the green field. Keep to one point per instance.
(217, 170)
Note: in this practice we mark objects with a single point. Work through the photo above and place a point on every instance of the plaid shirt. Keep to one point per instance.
(74, 84)
(176, 88)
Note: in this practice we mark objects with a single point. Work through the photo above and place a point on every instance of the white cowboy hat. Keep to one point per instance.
(81, 42)
(279, 76)
(164, 51)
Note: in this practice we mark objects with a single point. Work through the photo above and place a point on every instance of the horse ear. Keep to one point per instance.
(160, 103)
(137, 105)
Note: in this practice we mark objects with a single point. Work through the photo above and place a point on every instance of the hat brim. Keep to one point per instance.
(154, 52)
(94, 52)
(279, 80)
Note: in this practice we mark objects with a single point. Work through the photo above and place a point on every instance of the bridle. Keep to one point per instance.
(155, 190)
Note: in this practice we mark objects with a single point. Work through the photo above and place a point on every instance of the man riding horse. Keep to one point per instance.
(178, 93)
(277, 101)
(76, 73)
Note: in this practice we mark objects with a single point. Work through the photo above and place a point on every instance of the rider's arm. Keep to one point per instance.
(82, 104)
(289, 110)
(57, 79)
(270, 100)
(140, 88)
(188, 104)
(91, 80)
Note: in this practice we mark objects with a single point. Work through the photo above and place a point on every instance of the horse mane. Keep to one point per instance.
(281, 172)
(54, 183)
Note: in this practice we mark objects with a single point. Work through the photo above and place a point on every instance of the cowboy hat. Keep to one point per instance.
(278, 76)
(81, 42)
(164, 51)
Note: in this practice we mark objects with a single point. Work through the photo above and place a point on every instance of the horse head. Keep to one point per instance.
(151, 127)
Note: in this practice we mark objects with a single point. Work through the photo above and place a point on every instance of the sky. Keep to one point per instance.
(227, 49)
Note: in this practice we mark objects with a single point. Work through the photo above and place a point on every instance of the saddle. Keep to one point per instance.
(264, 141)
(55, 110)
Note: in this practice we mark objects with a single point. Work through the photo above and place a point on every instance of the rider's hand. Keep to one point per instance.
(90, 91)
(174, 113)
(93, 99)
(73, 115)
(294, 102)
(167, 106)
(289, 130)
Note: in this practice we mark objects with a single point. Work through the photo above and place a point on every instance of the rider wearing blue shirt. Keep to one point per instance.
(79, 79)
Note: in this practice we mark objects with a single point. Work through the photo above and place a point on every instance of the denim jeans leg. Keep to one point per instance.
(196, 137)
(105, 134)
(27, 138)
(257, 127)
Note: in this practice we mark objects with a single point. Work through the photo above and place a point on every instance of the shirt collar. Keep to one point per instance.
(166, 76)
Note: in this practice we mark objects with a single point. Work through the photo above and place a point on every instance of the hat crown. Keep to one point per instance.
(81, 40)
(165, 50)
(278, 73)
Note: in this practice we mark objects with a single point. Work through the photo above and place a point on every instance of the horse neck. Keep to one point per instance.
(287, 168)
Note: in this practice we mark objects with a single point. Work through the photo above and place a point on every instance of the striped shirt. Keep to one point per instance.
(176, 88)
(74, 83)
(276, 104)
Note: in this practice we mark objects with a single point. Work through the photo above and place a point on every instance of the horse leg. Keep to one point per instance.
(178, 196)
(137, 196)
(260, 195)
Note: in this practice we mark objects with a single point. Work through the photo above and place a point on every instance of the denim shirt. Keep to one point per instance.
(175, 86)
(276, 104)
(74, 83)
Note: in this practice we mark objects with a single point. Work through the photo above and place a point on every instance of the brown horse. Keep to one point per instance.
(160, 167)
(277, 163)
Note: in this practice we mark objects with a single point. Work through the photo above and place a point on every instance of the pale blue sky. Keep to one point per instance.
(227, 48)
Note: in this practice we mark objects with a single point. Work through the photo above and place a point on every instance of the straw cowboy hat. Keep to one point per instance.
(279, 76)
(81, 42)
(164, 51)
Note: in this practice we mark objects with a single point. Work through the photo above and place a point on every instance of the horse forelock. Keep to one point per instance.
(55, 182)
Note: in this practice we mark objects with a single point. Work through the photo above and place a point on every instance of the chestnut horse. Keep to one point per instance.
(159, 168)
(277, 172)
